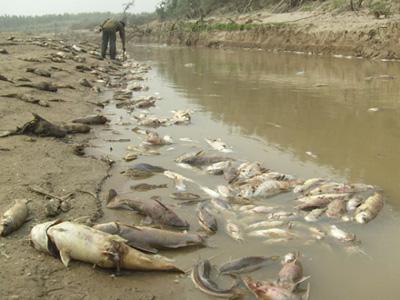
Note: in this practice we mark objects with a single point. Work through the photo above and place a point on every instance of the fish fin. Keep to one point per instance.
(142, 246)
(65, 258)
(147, 221)
(306, 296)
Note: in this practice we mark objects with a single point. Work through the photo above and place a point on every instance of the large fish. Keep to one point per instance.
(151, 239)
(154, 209)
(69, 241)
(369, 209)
(200, 275)
(273, 291)
(246, 264)
(14, 218)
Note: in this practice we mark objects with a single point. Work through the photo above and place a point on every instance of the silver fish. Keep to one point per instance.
(369, 209)
(246, 264)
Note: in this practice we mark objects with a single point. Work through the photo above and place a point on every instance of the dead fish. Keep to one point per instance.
(231, 173)
(369, 209)
(154, 209)
(14, 218)
(138, 174)
(84, 82)
(353, 203)
(336, 209)
(75, 128)
(218, 168)
(151, 239)
(130, 156)
(154, 139)
(200, 276)
(39, 72)
(221, 204)
(273, 223)
(219, 145)
(273, 291)
(206, 219)
(144, 187)
(4, 78)
(246, 264)
(319, 201)
(43, 86)
(315, 214)
(272, 233)
(92, 120)
(210, 192)
(181, 117)
(185, 196)
(148, 167)
(234, 231)
(199, 159)
(291, 274)
(308, 185)
(178, 179)
(68, 241)
(341, 235)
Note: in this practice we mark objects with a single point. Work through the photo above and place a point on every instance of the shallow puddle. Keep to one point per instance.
(301, 115)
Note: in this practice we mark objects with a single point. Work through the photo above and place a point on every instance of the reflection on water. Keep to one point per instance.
(301, 104)
(273, 109)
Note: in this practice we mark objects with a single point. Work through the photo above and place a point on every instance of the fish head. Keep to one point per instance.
(6, 227)
(363, 217)
(288, 258)
(39, 238)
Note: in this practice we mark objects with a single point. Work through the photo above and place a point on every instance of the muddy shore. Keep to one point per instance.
(51, 164)
(349, 34)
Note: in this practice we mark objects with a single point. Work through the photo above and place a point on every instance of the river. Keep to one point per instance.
(303, 115)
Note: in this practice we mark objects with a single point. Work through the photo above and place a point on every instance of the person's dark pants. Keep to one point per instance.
(109, 37)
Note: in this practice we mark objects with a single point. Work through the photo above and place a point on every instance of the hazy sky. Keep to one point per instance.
(41, 7)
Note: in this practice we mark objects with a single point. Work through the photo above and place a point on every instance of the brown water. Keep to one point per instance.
(273, 109)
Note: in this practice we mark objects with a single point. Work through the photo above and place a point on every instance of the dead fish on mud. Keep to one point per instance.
(218, 168)
(144, 187)
(273, 291)
(154, 209)
(92, 120)
(143, 170)
(178, 180)
(42, 86)
(206, 219)
(39, 72)
(369, 209)
(201, 277)
(219, 145)
(14, 218)
(246, 264)
(68, 241)
(151, 239)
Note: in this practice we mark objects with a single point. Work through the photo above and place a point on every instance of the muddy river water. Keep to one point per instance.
(297, 114)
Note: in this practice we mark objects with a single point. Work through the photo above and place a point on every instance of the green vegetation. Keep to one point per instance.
(65, 22)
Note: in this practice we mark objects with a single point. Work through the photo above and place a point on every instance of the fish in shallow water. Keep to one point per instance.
(341, 235)
(219, 145)
(218, 168)
(206, 219)
(151, 239)
(154, 209)
(178, 180)
(201, 277)
(369, 209)
(272, 233)
(70, 241)
(273, 291)
(185, 196)
(246, 264)
(291, 274)
(308, 185)
(234, 231)
(144, 187)
(315, 214)
(336, 209)
(14, 217)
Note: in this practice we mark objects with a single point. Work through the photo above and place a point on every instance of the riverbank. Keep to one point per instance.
(357, 34)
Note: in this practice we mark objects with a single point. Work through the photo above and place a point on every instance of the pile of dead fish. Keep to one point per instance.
(287, 286)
